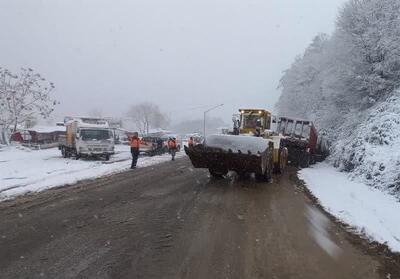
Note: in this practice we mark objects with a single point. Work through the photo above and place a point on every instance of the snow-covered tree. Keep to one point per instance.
(371, 30)
(350, 71)
(24, 97)
(302, 84)
(96, 112)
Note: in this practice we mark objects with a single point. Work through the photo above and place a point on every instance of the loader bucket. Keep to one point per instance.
(222, 153)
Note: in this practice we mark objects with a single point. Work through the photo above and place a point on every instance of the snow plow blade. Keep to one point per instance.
(224, 153)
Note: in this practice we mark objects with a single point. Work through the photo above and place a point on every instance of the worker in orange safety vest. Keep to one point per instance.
(172, 147)
(134, 143)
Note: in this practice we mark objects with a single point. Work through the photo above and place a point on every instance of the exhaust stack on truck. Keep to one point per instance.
(87, 137)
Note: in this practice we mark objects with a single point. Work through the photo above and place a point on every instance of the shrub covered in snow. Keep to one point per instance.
(372, 151)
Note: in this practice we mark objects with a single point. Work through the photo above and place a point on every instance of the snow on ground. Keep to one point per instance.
(23, 170)
(370, 211)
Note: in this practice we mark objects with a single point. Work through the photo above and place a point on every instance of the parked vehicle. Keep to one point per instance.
(153, 145)
(302, 141)
(87, 137)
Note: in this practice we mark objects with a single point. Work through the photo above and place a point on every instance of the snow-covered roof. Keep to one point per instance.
(90, 123)
(46, 129)
(158, 131)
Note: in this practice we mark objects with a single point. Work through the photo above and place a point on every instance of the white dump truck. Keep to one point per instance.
(87, 137)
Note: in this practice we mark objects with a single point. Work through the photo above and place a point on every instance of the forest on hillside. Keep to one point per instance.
(348, 83)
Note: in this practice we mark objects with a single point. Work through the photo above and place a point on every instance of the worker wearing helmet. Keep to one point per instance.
(172, 147)
(134, 143)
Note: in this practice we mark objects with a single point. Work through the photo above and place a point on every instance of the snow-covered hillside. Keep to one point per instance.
(371, 152)
(23, 170)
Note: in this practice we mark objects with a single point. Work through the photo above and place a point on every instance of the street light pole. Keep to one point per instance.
(204, 120)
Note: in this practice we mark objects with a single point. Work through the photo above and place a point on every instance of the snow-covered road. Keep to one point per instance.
(23, 170)
(369, 211)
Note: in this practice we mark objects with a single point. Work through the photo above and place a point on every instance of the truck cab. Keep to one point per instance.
(87, 137)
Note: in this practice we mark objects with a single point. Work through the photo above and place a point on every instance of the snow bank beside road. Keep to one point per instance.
(23, 170)
(369, 211)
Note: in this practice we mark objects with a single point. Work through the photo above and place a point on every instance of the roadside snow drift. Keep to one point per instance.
(370, 211)
(23, 170)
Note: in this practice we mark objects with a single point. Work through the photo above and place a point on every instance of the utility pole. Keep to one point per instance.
(205, 114)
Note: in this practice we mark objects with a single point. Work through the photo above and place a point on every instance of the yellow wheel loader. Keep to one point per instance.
(250, 148)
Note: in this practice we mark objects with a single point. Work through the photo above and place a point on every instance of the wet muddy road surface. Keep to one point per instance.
(173, 221)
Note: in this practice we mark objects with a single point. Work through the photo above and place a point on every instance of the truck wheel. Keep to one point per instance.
(312, 159)
(217, 173)
(63, 152)
(305, 160)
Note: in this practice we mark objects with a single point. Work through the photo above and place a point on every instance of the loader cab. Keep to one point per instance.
(252, 120)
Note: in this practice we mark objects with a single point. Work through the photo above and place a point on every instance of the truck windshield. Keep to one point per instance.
(289, 127)
(298, 128)
(306, 131)
(95, 134)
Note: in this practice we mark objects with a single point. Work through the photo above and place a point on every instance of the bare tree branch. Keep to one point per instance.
(147, 116)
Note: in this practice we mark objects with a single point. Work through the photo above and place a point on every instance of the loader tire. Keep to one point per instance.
(262, 178)
(283, 160)
(219, 174)
(266, 177)
(243, 175)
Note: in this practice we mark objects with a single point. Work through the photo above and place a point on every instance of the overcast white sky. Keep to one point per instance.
(178, 54)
